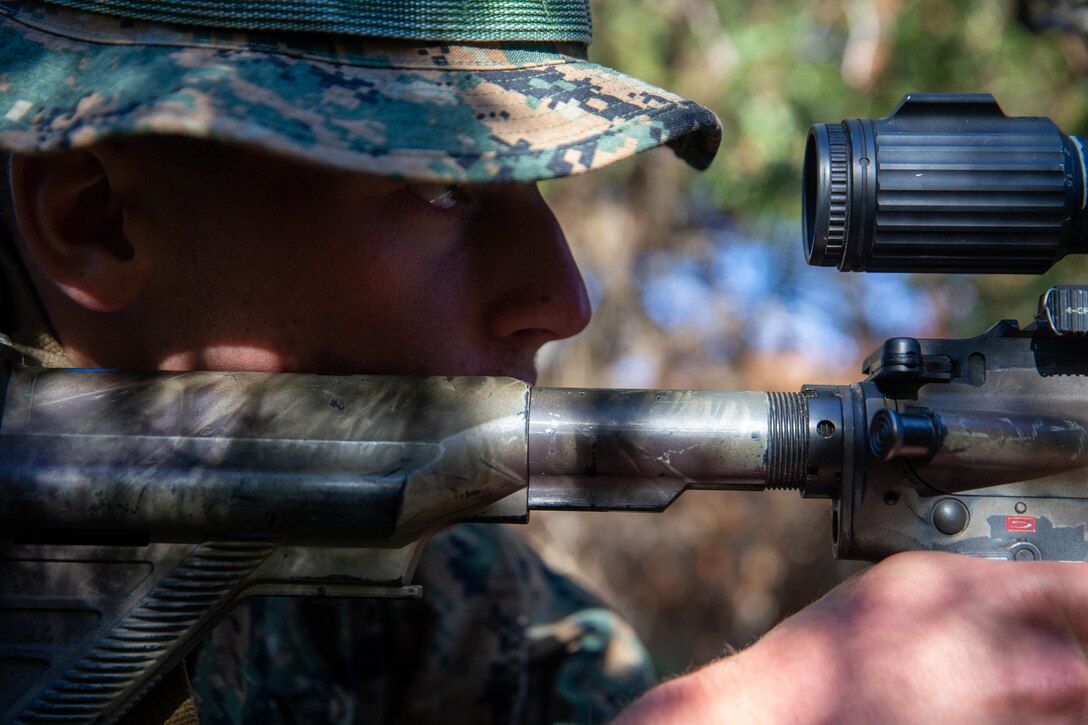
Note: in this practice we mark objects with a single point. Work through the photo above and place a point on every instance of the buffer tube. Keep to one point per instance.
(639, 449)
(382, 461)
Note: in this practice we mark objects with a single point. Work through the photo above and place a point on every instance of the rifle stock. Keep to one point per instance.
(138, 508)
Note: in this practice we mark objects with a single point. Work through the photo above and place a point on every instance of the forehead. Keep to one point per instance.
(201, 163)
(234, 184)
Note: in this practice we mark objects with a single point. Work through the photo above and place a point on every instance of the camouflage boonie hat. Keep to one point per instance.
(435, 90)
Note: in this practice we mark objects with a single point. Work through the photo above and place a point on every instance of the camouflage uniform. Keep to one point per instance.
(452, 91)
(498, 637)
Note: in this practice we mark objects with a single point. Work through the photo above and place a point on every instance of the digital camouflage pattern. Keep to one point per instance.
(497, 638)
(446, 113)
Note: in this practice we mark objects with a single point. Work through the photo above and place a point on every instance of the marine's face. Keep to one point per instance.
(252, 262)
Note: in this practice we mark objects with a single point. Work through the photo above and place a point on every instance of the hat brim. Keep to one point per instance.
(450, 113)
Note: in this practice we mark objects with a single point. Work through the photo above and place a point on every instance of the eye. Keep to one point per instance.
(440, 196)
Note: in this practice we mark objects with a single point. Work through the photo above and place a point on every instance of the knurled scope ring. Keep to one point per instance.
(839, 192)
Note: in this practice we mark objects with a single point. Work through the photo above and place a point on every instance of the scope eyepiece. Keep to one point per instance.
(946, 183)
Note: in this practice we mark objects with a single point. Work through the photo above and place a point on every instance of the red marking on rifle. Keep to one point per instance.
(1019, 523)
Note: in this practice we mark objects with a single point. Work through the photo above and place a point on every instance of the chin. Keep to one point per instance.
(526, 373)
(527, 377)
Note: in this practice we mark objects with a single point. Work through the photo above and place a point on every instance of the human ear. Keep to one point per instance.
(72, 224)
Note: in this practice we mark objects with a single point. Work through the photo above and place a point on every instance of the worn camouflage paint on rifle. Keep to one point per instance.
(448, 113)
(119, 450)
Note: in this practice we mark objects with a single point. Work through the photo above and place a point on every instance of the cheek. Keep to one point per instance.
(406, 293)
(340, 291)
(390, 312)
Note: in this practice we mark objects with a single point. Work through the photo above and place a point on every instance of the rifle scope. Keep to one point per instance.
(946, 183)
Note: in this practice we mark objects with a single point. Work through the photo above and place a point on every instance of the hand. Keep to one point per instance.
(920, 637)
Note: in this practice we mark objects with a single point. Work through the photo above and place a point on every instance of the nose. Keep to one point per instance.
(536, 291)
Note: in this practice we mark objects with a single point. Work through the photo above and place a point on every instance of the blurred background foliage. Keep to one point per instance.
(698, 279)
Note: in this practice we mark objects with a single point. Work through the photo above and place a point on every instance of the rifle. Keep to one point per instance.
(137, 508)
